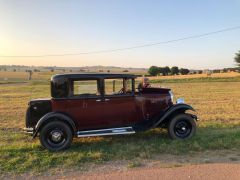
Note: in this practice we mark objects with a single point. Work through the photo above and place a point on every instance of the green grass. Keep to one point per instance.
(217, 105)
(18, 153)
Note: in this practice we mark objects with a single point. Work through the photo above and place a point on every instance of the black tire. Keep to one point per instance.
(182, 126)
(56, 136)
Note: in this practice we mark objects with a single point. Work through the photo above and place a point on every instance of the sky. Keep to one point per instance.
(31, 27)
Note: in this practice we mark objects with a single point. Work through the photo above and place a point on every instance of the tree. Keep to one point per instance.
(160, 71)
(167, 70)
(164, 70)
(153, 70)
(224, 70)
(174, 70)
(237, 58)
(36, 70)
(184, 71)
(216, 71)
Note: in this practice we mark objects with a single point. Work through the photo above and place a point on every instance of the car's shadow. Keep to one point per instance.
(157, 141)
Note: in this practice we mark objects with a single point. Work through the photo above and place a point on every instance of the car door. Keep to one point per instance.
(120, 108)
(85, 105)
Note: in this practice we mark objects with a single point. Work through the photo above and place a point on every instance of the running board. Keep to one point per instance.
(106, 132)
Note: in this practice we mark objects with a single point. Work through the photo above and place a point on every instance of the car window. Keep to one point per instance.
(85, 88)
(118, 86)
(128, 84)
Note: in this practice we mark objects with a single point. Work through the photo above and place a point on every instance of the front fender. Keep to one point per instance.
(176, 108)
(56, 115)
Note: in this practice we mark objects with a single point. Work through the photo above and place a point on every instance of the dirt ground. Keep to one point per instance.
(207, 165)
(201, 172)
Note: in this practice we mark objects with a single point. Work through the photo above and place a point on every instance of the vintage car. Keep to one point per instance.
(84, 105)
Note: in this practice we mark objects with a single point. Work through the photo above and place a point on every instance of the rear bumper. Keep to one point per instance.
(28, 130)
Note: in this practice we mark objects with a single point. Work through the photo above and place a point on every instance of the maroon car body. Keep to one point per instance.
(126, 111)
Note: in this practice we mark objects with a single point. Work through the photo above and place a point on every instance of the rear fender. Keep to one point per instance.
(175, 109)
(52, 116)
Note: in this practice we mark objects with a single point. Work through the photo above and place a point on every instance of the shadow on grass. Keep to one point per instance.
(21, 155)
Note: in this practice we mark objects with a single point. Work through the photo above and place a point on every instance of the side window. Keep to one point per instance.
(118, 87)
(128, 85)
(113, 86)
(85, 88)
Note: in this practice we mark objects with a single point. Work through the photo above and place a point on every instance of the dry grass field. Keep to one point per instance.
(214, 101)
(214, 75)
(217, 105)
(16, 77)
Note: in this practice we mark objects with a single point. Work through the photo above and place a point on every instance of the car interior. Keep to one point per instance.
(91, 88)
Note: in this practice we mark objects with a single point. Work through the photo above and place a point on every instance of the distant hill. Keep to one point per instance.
(87, 69)
(98, 69)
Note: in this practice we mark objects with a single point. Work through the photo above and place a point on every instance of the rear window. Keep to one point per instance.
(85, 88)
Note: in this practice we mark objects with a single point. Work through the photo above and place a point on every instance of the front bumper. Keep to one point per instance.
(195, 117)
(28, 130)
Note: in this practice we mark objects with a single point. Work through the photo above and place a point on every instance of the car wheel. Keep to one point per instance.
(56, 136)
(182, 126)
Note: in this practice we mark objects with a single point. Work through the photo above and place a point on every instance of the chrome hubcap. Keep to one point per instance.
(56, 136)
(182, 129)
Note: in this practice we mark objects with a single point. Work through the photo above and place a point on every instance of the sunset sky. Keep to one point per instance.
(31, 27)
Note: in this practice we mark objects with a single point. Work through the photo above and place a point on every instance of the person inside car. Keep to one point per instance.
(144, 84)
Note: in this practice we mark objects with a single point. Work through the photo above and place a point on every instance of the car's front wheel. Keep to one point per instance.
(182, 126)
(56, 136)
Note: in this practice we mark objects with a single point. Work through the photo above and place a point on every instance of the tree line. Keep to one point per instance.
(164, 71)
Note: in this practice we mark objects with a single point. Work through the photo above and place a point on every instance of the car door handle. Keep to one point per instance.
(98, 100)
(106, 99)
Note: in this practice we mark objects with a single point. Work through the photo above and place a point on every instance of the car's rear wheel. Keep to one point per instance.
(56, 136)
(182, 126)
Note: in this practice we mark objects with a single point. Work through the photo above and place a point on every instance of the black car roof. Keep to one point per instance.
(91, 76)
